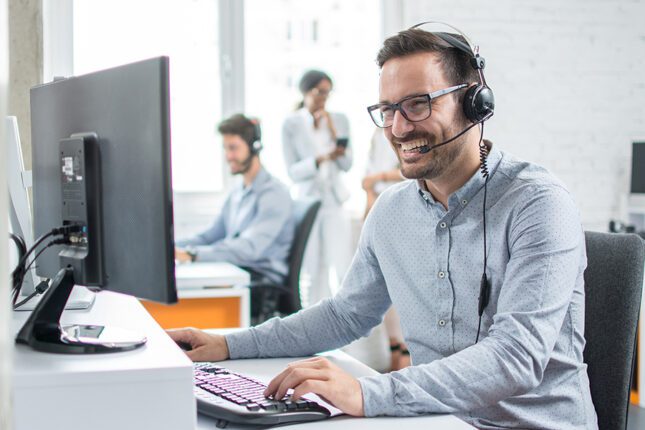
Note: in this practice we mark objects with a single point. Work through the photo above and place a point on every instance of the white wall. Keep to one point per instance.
(569, 85)
(6, 340)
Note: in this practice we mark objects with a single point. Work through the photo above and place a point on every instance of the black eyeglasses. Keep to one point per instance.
(413, 108)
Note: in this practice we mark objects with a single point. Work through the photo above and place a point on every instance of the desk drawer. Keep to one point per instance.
(201, 313)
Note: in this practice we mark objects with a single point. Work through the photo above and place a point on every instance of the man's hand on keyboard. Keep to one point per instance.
(203, 347)
(320, 376)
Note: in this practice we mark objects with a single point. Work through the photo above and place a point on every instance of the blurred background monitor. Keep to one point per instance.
(19, 181)
(638, 168)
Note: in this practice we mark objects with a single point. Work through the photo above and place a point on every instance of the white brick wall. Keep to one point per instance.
(569, 82)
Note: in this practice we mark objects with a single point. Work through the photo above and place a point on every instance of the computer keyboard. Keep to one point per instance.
(232, 397)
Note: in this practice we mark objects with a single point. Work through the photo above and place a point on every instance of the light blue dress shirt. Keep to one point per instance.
(254, 229)
(527, 370)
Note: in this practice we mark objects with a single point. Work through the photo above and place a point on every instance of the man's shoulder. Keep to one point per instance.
(526, 184)
(523, 174)
(271, 184)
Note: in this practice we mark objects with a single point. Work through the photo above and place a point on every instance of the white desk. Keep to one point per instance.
(150, 387)
(211, 274)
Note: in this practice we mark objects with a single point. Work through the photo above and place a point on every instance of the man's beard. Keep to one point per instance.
(438, 161)
(241, 167)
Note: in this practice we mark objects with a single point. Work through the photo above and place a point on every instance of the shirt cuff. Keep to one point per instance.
(241, 344)
(378, 396)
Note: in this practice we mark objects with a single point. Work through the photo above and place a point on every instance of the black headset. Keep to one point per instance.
(256, 143)
(479, 102)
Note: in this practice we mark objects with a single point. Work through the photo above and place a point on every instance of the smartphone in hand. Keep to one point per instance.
(342, 142)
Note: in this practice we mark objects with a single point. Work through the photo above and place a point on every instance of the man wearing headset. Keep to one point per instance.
(499, 350)
(254, 229)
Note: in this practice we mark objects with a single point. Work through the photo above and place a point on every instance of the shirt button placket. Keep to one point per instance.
(444, 292)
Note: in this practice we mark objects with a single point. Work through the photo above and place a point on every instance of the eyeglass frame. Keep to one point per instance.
(398, 106)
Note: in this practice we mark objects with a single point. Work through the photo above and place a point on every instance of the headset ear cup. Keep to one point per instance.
(479, 103)
(256, 147)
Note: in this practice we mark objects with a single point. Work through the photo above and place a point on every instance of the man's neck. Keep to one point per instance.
(454, 178)
(249, 176)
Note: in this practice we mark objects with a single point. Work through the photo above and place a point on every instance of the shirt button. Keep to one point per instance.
(442, 275)
(464, 202)
(442, 323)
(443, 225)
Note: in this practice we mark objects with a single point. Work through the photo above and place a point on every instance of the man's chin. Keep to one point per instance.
(417, 172)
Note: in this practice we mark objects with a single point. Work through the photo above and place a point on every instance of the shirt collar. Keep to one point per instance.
(261, 178)
(463, 195)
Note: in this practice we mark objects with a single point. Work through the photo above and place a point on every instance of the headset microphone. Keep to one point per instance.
(426, 149)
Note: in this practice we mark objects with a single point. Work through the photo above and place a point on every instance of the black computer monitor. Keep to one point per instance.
(638, 168)
(101, 167)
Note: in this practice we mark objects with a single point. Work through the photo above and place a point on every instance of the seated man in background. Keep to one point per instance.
(255, 227)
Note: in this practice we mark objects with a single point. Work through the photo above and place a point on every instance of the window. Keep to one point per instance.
(112, 32)
(260, 67)
(284, 38)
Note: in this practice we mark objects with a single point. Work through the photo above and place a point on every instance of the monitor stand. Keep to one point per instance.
(43, 331)
(80, 298)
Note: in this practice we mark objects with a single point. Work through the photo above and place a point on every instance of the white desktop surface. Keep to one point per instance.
(210, 274)
(265, 369)
(149, 387)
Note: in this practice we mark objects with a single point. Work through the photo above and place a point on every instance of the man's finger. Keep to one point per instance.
(297, 377)
(198, 354)
(315, 386)
(312, 363)
(180, 335)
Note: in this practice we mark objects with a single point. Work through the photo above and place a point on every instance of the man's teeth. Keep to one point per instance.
(408, 146)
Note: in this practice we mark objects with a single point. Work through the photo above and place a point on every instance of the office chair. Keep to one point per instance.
(268, 299)
(613, 287)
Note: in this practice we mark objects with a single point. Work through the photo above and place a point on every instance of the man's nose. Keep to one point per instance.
(401, 126)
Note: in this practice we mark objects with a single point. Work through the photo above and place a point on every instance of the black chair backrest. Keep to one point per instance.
(304, 212)
(613, 288)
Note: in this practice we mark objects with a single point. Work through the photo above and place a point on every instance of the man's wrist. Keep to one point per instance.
(227, 353)
(192, 253)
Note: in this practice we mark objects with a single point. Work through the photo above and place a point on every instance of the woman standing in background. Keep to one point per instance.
(316, 152)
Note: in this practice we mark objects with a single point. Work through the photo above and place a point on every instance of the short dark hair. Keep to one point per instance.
(239, 125)
(455, 62)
